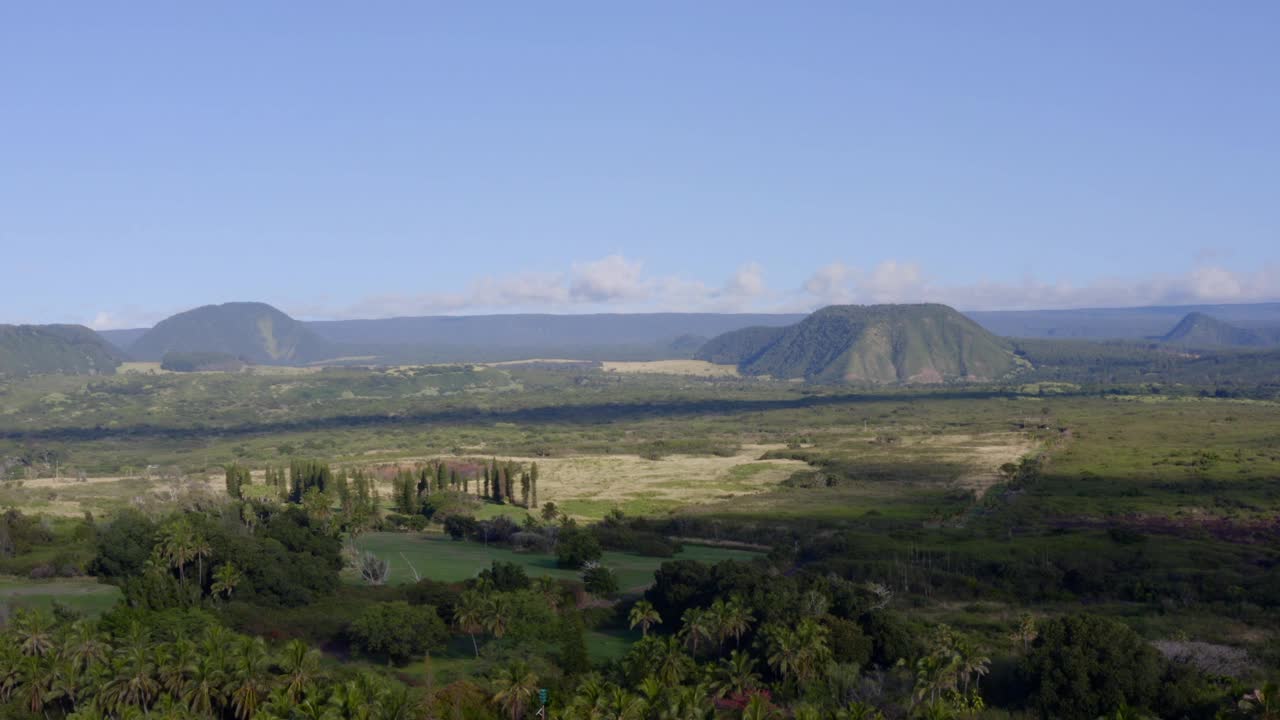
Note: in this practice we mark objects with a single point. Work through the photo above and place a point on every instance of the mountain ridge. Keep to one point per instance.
(874, 344)
(1198, 330)
(255, 331)
(71, 349)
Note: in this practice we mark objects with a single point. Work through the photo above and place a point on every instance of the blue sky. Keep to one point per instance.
(373, 159)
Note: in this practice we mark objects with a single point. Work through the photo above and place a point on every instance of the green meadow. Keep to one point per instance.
(440, 558)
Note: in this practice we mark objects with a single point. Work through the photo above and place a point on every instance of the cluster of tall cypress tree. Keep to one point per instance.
(307, 474)
(500, 479)
(499, 482)
(356, 491)
(410, 486)
(237, 477)
(276, 478)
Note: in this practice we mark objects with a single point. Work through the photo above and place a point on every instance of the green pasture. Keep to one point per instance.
(440, 558)
(85, 595)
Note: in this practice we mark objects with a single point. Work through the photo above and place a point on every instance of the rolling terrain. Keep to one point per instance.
(254, 331)
(66, 349)
(1198, 330)
(873, 344)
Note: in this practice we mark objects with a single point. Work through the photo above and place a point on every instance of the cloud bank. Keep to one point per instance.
(616, 283)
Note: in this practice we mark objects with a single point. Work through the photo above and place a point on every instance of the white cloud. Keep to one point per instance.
(616, 283)
(610, 279)
(105, 321)
(747, 282)
(896, 281)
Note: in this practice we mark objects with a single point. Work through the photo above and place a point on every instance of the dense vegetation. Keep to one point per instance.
(70, 349)
(201, 362)
(278, 544)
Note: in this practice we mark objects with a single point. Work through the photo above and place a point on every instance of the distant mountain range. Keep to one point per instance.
(254, 331)
(261, 334)
(70, 349)
(237, 329)
(875, 344)
(1119, 323)
(1198, 330)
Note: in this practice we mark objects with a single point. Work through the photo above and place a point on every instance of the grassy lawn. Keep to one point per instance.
(85, 595)
(438, 557)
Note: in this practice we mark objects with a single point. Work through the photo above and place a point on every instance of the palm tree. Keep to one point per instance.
(278, 706)
(200, 550)
(935, 674)
(697, 627)
(782, 650)
(69, 684)
(347, 702)
(688, 703)
(11, 659)
(177, 546)
(618, 704)
(515, 687)
(661, 657)
(644, 614)
(301, 667)
(736, 674)
(758, 708)
(814, 651)
(34, 631)
(469, 615)
(132, 680)
(497, 615)
(1025, 633)
(733, 618)
(937, 710)
(1263, 703)
(249, 681)
(971, 665)
(84, 647)
(39, 679)
(177, 663)
(549, 589)
(205, 687)
(225, 579)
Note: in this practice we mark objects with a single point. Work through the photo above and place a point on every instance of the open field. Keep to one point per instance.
(439, 558)
(84, 595)
(695, 368)
(589, 486)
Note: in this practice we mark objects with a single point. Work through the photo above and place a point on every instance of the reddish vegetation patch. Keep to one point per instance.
(928, 375)
(1245, 532)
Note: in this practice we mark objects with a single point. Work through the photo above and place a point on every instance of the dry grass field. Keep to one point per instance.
(153, 368)
(586, 486)
(696, 368)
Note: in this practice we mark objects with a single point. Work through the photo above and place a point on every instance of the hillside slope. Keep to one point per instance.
(1134, 323)
(1198, 330)
(254, 331)
(877, 344)
(71, 349)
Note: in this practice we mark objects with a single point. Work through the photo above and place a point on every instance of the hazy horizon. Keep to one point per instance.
(402, 161)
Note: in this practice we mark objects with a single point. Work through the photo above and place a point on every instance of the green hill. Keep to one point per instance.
(256, 332)
(1198, 330)
(70, 349)
(876, 344)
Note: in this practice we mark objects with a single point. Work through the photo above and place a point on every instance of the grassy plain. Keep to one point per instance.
(83, 595)
(912, 474)
(436, 556)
